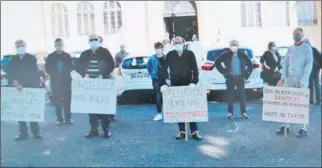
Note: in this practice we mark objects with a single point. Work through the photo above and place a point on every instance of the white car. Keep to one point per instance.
(212, 80)
(132, 75)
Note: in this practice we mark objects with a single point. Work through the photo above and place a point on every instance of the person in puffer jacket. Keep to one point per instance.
(158, 75)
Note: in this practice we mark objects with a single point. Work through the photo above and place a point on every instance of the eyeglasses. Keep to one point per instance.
(93, 40)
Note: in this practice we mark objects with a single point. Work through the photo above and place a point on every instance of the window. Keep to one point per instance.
(251, 14)
(306, 13)
(112, 17)
(85, 18)
(278, 13)
(60, 26)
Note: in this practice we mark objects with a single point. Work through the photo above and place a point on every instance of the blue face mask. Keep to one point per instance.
(297, 38)
(59, 48)
(21, 50)
(94, 44)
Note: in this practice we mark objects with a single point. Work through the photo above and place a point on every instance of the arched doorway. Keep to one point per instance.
(180, 19)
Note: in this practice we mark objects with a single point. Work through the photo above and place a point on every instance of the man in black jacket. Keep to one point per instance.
(314, 77)
(96, 62)
(183, 72)
(58, 66)
(22, 71)
(237, 68)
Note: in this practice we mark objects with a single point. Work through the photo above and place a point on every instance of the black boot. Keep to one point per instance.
(281, 131)
(37, 136)
(92, 134)
(107, 133)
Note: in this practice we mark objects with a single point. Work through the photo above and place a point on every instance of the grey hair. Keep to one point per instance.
(234, 42)
(20, 43)
(179, 38)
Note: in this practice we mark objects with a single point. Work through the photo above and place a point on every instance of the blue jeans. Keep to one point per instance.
(239, 83)
(314, 84)
(158, 94)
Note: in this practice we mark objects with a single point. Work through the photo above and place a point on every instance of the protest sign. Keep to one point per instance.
(26, 105)
(93, 96)
(286, 105)
(183, 104)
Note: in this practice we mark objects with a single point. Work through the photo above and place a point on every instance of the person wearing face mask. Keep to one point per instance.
(59, 66)
(158, 75)
(314, 77)
(237, 69)
(183, 72)
(120, 55)
(298, 65)
(271, 62)
(96, 62)
(22, 71)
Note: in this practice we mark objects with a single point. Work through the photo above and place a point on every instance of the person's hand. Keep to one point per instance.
(280, 83)
(163, 88)
(86, 76)
(299, 85)
(19, 88)
(192, 85)
(168, 82)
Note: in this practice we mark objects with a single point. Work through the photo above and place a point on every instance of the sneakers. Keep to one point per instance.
(107, 133)
(181, 135)
(92, 134)
(244, 116)
(37, 136)
(69, 122)
(158, 117)
(59, 122)
(302, 133)
(229, 116)
(281, 131)
(21, 137)
(196, 136)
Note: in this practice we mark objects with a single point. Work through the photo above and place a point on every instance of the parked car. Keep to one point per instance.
(133, 75)
(213, 80)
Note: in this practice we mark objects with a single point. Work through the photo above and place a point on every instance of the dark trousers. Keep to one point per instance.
(193, 125)
(239, 83)
(105, 121)
(314, 84)
(34, 126)
(158, 94)
(62, 100)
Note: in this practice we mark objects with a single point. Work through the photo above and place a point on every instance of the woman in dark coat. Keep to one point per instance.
(271, 62)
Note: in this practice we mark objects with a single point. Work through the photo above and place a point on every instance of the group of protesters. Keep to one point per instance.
(176, 67)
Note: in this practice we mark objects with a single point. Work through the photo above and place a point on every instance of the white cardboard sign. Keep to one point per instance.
(93, 96)
(286, 105)
(26, 105)
(183, 104)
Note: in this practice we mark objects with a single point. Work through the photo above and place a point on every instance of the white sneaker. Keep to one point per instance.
(158, 117)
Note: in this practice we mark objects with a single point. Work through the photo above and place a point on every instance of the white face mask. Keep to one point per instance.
(158, 51)
(178, 47)
(21, 50)
(234, 48)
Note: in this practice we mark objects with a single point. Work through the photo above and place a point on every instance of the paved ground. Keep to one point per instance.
(139, 141)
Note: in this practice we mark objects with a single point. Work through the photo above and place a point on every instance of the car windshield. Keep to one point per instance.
(135, 63)
(213, 54)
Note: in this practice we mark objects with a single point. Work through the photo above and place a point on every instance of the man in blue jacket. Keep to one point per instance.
(158, 75)
(238, 68)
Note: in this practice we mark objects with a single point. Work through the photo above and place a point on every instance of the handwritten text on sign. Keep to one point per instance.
(27, 105)
(93, 96)
(183, 104)
(286, 105)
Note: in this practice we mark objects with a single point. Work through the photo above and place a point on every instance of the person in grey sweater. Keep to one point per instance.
(298, 65)
(120, 55)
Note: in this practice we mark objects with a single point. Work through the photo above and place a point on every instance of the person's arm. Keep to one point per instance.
(117, 57)
(218, 65)
(279, 66)
(263, 61)
(167, 66)
(149, 68)
(317, 57)
(10, 71)
(285, 68)
(109, 61)
(308, 66)
(195, 71)
(34, 71)
(69, 63)
(249, 66)
(80, 65)
(49, 67)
